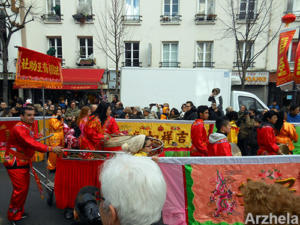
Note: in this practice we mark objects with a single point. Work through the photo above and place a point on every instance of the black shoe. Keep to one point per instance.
(12, 222)
(24, 216)
(68, 214)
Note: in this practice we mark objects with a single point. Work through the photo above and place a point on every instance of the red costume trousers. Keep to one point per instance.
(20, 179)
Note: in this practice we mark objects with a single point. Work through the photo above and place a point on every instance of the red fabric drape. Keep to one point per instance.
(71, 176)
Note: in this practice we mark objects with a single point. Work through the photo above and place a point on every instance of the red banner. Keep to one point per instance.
(283, 69)
(297, 65)
(37, 70)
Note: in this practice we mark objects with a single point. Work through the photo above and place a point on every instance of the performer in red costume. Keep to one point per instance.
(218, 143)
(199, 134)
(110, 125)
(21, 147)
(266, 139)
(93, 136)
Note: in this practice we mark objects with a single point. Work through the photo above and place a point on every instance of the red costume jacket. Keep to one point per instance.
(22, 144)
(199, 138)
(93, 134)
(266, 140)
(218, 145)
(111, 126)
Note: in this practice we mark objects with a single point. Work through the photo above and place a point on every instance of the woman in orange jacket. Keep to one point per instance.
(287, 134)
(56, 127)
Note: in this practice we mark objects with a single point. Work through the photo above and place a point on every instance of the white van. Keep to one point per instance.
(143, 86)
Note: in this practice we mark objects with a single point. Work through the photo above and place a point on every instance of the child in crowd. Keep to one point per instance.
(218, 143)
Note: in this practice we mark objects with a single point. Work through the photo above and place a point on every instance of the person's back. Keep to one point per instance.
(218, 143)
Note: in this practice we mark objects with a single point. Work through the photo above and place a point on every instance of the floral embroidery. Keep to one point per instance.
(271, 174)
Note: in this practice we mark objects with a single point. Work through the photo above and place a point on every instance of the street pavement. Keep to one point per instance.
(39, 211)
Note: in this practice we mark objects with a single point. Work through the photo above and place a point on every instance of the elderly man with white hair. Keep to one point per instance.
(133, 191)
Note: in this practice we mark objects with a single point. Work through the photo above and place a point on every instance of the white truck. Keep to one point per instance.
(142, 86)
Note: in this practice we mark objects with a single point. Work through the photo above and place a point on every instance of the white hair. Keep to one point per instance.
(135, 187)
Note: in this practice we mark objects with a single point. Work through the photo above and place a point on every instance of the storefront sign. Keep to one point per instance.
(283, 69)
(252, 78)
(37, 70)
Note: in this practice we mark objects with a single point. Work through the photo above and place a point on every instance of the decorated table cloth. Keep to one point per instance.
(71, 176)
(205, 190)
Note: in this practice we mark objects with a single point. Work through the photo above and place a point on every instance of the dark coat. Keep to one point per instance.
(191, 114)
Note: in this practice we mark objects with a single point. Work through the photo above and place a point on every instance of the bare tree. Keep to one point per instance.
(110, 37)
(13, 17)
(249, 23)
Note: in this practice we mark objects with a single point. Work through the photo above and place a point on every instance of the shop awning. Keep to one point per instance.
(82, 79)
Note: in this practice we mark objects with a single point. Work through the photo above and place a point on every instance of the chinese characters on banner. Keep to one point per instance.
(37, 70)
(176, 136)
(283, 70)
(297, 65)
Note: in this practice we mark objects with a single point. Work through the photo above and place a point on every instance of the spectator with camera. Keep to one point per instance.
(216, 97)
(133, 191)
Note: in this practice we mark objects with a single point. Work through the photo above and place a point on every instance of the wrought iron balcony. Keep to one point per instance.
(83, 18)
(52, 17)
(169, 64)
(205, 17)
(86, 62)
(132, 19)
(204, 64)
(170, 18)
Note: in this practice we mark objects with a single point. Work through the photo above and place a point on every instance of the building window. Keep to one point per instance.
(85, 6)
(53, 6)
(132, 10)
(84, 11)
(86, 47)
(53, 11)
(171, 9)
(170, 55)
(132, 54)
(293, 6)
(204, 54)
(206, 10)
(247, 9)
(55, 42)
(246, 53)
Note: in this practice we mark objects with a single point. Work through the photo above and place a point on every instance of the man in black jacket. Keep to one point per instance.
(191, 111)
(214, 112)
